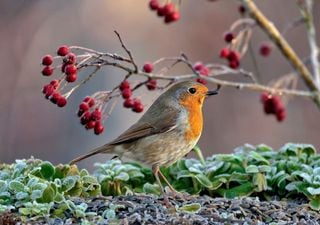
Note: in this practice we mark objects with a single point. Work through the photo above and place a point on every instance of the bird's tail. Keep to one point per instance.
(102, 149)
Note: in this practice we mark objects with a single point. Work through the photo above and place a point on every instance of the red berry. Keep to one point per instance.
(137, 106)
(201, 81)
(168, 9)
(55, 83)
(154, 4)
(265, 49)
(204, 71)
(126, 93)
(161, 11)
(55, 97)
(98, 128)
(152, 84)
(281, 115)
(48, 90)
(228, 37)
(96, 115)
(63, 67)
(62, 101)
(63, 50)
(80, 113)
(47, 71)
(198, 66)
(234, 56)
(234, 64)
(70, 58)
(70, 69)
(128, 103)
(264, 97)
(85, 118)
(89, 100)
(47, 60)
(124, 85)
(174, 16)
(242, 9)
(268, 106)
(91, 124)
(148, 67)
(71, 78)
(84, 106)
(224, 53)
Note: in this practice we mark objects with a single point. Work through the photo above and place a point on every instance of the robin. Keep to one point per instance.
(167, 131)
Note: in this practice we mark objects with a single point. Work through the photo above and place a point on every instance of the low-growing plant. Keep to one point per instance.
(33, 187)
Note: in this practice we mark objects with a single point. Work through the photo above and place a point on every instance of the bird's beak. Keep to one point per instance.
(212, 92)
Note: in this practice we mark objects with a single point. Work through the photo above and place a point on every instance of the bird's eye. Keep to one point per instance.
(192, 90)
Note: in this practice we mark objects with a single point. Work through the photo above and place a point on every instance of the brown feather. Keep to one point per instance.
(163, 122)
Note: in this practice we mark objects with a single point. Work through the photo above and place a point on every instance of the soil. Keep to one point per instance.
(148, 209)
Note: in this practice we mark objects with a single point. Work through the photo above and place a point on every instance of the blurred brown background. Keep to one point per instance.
(29, 29)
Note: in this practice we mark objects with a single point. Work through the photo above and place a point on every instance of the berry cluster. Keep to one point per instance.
(68, 68)
(273, 105)
(168, 11)
(232, 56)
(51, 92)
(135, 104)
(203, 70)
(90, 116)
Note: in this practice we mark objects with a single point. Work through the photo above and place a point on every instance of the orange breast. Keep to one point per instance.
(194, 107)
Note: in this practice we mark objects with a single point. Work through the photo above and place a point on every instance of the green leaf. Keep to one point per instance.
(48, 195)
(239, 177)
(109, 214)
(203, 180)
(32, 181)
(189, 208)
(35, 194)
(151, 189)
(313, 191)
(264, 169)
(304, 176)
(256, 156)
(3, 186)
(184, 173)
(69, 182)
(263, 148)
(123, 176)
(89, 179)
(252, 169)
(16, 186)
(315, 203)
(260, 181)
(47, 170)
(242, 190)
(21, 195)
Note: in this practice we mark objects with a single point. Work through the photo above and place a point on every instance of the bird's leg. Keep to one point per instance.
(156, 171)
(166, 181)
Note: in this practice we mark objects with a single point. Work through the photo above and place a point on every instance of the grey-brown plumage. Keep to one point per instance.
(167, 131)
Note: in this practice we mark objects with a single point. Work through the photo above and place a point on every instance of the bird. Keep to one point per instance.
(165, 133)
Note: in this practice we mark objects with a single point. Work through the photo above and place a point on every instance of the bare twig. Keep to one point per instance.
(306, 10)
(128, 51)
(284, 47)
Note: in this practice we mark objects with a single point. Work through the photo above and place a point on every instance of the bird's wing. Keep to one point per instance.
(164, 123)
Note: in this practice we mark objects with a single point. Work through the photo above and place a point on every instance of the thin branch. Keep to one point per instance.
(127, 51)
(311, 32)
(284, 47)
